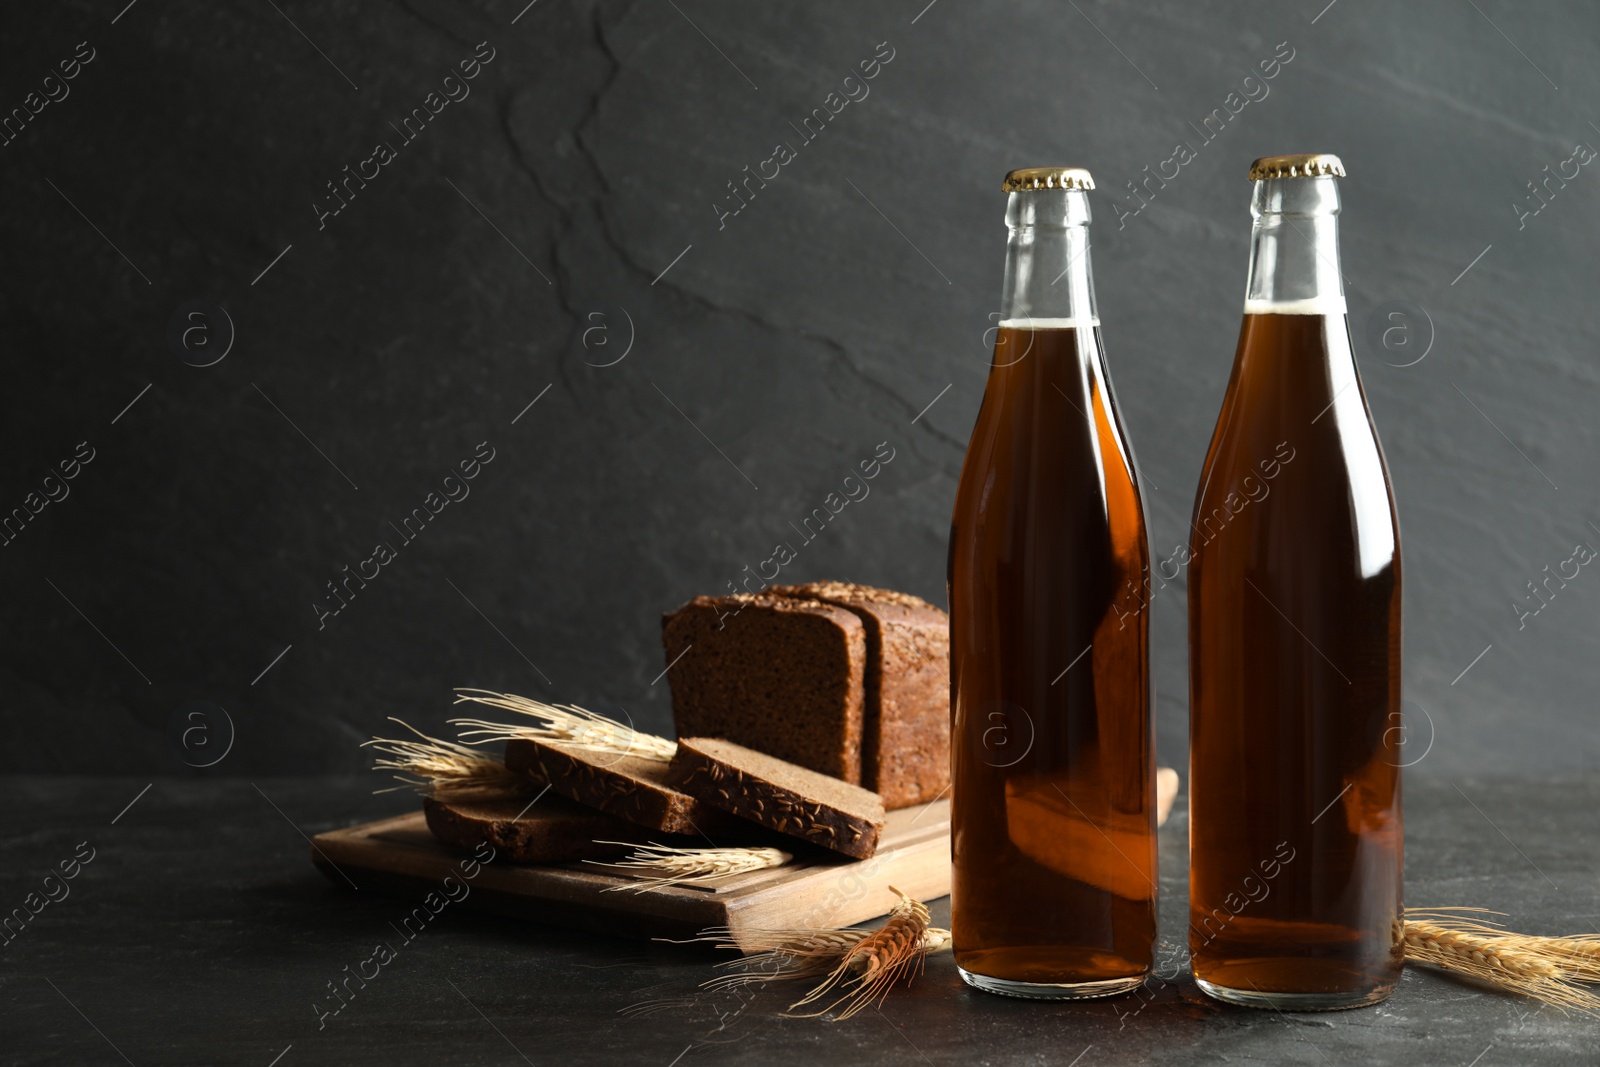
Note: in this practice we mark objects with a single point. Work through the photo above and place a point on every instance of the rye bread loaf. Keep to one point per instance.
(763, 670)
(782, 796)
(785, 675)
(553, 829)
(630, 788)
(905, 748)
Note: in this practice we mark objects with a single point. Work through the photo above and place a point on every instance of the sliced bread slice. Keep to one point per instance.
(632, 788)
(552, 829)
(779, 795)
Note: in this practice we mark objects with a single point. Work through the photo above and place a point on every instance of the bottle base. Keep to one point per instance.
(1255, 998)
(1007, 987)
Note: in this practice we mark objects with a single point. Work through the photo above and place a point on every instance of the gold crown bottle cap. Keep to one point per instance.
(1305, 166)
(1032, 178)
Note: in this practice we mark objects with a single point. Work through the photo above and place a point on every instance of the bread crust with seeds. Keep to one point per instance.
(628, 787)
(780, 796)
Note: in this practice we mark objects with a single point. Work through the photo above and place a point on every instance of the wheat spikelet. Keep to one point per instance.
(936, 939)
(1464, 949)
(565, 723)
(780, 955)
(679, 866)
(867, 970)
(443, 768)
(1576, 956)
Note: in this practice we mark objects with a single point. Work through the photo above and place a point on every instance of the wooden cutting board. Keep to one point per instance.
(399, 857)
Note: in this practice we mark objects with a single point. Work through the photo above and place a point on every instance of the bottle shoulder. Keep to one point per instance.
(1295, 441)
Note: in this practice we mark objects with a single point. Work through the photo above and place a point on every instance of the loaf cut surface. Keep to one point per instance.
(785, 675)
(905, 749)
(779, 795)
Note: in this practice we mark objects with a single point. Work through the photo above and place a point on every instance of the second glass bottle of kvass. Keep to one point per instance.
(1295, 854)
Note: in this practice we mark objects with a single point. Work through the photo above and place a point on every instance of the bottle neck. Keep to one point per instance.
(1294, 248)
(1048, 284)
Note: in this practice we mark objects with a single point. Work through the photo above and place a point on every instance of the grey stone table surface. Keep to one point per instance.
(198, 932)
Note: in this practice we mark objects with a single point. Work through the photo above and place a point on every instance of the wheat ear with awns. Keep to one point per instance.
(871, 966)
(1576, 956)
(784, 954)
(1545, 968)
(443, 768)
(860, 966)
(565, 723)
(689, 866)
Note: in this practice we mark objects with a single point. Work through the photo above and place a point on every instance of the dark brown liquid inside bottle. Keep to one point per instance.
(1295, 732)
(1053, 842)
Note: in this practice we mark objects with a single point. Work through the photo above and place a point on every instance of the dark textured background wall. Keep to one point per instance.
(575, 197)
